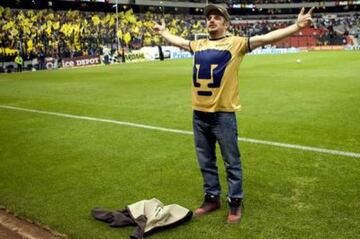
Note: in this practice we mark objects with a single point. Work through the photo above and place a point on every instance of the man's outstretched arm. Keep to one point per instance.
(175, 40)
(303, 20)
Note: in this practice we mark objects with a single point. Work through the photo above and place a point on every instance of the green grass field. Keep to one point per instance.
(54, 170)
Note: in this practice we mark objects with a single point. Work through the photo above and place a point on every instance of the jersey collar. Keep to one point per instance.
(216, 39)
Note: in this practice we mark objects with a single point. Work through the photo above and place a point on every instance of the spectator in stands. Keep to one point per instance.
(216, 99)
(73, 32)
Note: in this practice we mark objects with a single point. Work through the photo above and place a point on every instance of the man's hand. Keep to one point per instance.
(175, 40)
(304, 20)
(158, 29)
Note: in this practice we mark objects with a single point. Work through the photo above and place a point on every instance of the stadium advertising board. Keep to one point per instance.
(260, 51)
(170, 52)
(326, 48)
(134, 56)
(352, 48)
(51, 63)
(11, 66)
(180, 54)
(81, 61)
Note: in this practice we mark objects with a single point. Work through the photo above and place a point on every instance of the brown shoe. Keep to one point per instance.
(236, 210)
(211, 203)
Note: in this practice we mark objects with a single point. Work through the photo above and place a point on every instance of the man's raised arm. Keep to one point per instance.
(175, 40)
(303, 20)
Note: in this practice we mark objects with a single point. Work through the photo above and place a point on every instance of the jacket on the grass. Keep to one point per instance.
(147, 215)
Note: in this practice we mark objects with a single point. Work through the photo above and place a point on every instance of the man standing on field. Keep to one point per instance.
(215, 99)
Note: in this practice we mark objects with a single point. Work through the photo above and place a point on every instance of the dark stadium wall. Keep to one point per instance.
(59, 5)
(95, 6)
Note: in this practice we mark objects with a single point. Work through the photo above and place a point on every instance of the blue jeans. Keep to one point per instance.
(220, 127)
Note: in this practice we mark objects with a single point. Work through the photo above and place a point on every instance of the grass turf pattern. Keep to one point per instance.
(54, 170)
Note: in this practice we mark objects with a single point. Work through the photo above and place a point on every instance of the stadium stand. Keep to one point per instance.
(60, 33)
(74, 33)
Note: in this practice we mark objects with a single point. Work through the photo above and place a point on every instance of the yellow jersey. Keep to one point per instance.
(215, 73)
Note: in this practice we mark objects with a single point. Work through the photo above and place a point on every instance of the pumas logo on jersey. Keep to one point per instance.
(209, 68)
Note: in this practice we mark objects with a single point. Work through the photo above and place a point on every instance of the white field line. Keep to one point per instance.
(248, 140)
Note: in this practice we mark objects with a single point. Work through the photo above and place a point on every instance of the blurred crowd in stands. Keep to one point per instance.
(331, 31)
(74, 33)
(45, 33)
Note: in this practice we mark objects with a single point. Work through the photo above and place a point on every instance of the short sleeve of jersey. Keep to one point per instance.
(194, 45)
(242, 45)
